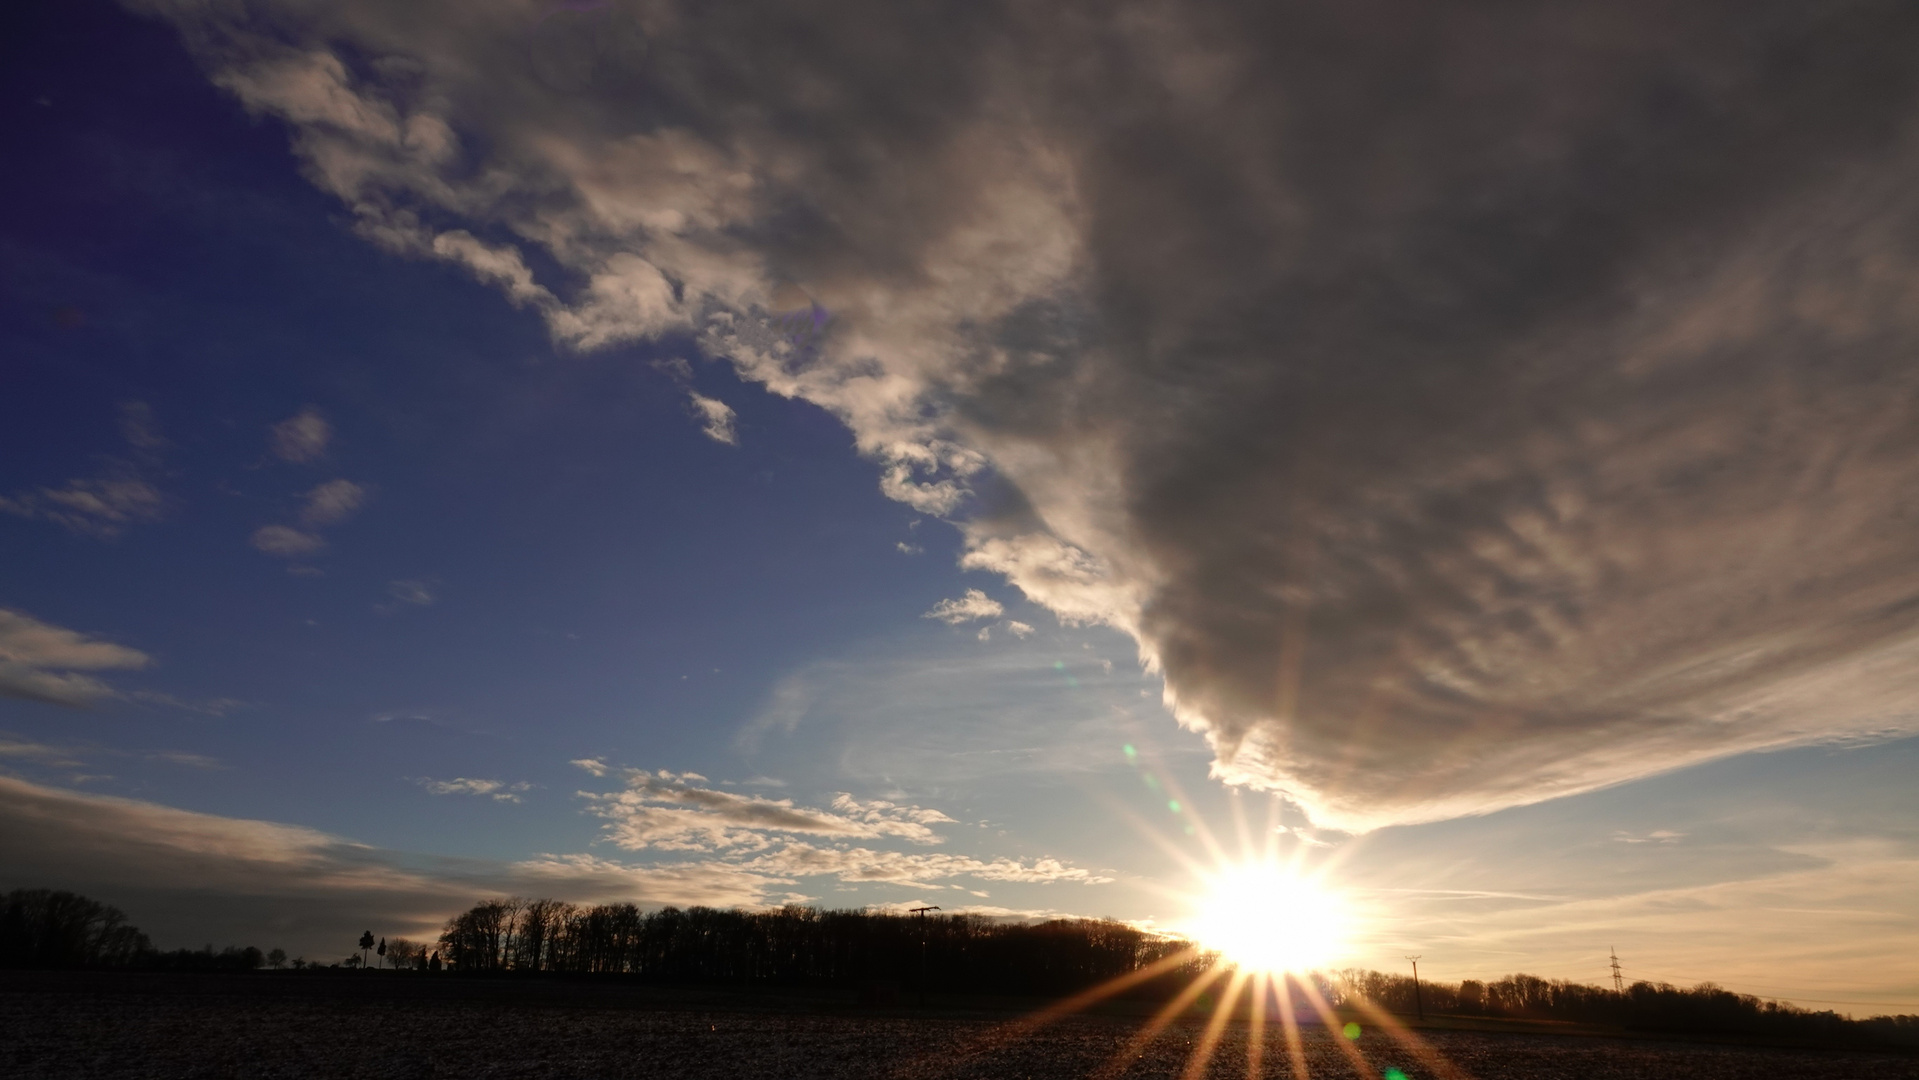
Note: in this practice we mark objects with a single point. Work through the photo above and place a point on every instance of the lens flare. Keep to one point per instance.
(1265, 917)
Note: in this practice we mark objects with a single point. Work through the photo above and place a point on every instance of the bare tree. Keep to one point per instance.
(277, 959)
(402, 953)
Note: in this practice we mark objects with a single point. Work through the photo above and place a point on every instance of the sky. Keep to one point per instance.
(1009, 457)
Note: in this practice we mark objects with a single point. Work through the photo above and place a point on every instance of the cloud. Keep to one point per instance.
(188, 877)
(326, 504)
(1018, 629)
(301, 437)
(331, 503)
(189, 760)
(37, 661)
(716, 418)
(283, 540)
(672, 812)
(974, 605)
(60, 757)
(912, 868)
(1458, 412)
(497, 790)
(118, 495)
(410, 592)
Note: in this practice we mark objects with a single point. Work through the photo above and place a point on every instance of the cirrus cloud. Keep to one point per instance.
(39, 662)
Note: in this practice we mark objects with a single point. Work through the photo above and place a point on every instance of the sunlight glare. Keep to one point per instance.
(1264, 917)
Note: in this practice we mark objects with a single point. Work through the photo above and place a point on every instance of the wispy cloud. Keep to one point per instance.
(675, 812)
(801, 860)
(38, 661)
(331, 503)
(410, 592)
(324, 505)
(115, 496)
(717, 419)
(286, 541)
(497, 790)
(188, 874)
(301, 437)
(974, 605)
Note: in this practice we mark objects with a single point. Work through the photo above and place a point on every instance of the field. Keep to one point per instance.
(269, 1026)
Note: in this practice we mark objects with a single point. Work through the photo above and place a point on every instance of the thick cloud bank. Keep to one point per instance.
(1462, 404)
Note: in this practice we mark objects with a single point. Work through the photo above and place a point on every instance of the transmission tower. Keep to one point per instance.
(1618, 980)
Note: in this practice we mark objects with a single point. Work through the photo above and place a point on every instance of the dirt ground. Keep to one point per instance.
(239, 1026)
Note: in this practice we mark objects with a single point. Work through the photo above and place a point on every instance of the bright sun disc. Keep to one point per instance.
(1266, 918)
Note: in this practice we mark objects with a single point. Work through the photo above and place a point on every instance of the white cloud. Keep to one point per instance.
(800, 860)
(289, 542)
(410, 592)
(301, 437)
(1656, 836)
(974, 605)
(717, 418)
(325, 504)
(37, 661)
(674, 813)
(1019, 630)
(331, 503)
(905, 548)
(497, 790)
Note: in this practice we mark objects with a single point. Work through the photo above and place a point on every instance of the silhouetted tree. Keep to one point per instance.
(402, 953)
(366, 943)
(276, 958)
(45, 928)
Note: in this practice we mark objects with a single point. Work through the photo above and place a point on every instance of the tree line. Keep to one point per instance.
(46, 928)
(888, 953)
(804, 946)
(1641, 1006)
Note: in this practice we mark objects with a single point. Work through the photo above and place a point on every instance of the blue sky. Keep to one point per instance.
(350, 576)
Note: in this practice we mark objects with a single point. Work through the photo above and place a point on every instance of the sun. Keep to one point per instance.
(1266, 917)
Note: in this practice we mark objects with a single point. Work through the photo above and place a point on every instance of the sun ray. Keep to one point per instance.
(1333, 1028)
(1295, 1048)
(1144, 1036)
(1420, 1048)
(1256, 1026)
(1202, 1054)
(1032, 1022)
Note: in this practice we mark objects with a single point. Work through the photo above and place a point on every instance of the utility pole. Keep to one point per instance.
(1419, 1006)
(1618, 980)
(921, 912)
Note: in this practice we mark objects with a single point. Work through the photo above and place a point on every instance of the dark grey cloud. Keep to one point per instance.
(1461, 404)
